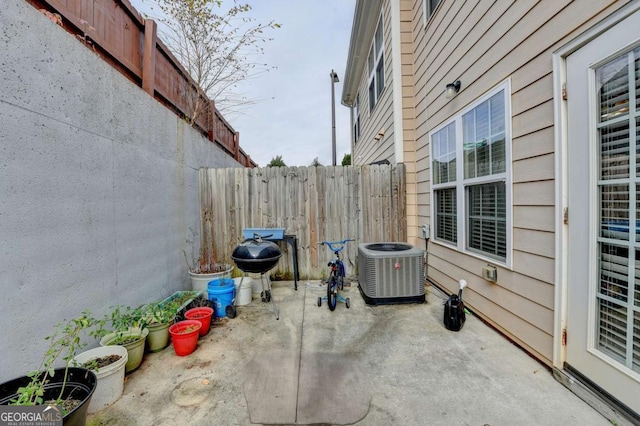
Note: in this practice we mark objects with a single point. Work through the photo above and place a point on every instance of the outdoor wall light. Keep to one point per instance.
(452, 89)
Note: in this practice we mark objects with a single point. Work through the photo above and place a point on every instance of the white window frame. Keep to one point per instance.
(378, 51)
(461, 184)
(427, 10)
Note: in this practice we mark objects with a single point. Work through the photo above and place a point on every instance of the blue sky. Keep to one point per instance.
(293, 119)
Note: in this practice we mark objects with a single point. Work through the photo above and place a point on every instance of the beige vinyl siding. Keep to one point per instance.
(483, 44)
(408, 119)
(367, 149)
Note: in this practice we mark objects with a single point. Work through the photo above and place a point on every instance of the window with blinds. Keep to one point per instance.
(487, 219)
(446, 215)
(470, 177)
(618, 290)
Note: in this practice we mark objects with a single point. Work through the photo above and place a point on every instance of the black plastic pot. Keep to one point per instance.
(256, 255)
(81, 383)
(198, 302)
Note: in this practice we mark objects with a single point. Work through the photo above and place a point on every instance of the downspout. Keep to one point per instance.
(353, 136)
(396, 72)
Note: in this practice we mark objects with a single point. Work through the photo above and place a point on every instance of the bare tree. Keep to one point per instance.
(219, 48)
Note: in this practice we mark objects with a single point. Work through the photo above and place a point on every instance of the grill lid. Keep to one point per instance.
(255, 250)
(256, 255)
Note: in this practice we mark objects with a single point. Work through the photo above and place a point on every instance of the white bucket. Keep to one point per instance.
(110, 378)
(256, 287)
(243, 293)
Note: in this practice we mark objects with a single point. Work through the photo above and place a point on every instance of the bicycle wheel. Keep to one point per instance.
(341, 275)
(332, 292)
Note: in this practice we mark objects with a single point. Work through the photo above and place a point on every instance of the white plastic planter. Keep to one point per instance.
(110, 378)
(200, 282)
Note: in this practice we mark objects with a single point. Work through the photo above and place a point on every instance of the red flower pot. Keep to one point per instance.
(184, 335)
(203, 315)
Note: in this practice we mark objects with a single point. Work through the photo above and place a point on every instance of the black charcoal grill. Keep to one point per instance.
(257, 256)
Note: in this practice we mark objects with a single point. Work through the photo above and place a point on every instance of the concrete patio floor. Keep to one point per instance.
(367, 365)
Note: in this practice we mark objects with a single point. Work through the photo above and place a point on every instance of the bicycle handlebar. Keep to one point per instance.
(336, 246)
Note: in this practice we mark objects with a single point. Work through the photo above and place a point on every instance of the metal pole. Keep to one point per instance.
(334, 79)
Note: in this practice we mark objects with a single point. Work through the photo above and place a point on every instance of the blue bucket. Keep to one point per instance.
(221, 293)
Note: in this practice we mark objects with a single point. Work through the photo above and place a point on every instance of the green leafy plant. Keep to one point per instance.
(122, 320)
(161, 313)
(65, 342)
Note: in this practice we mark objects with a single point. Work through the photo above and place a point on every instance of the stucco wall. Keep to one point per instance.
(98, 186)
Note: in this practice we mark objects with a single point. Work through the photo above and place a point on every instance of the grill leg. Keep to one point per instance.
(262, 282)
(273, 300)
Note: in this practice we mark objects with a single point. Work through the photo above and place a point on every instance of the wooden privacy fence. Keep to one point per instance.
(316, 204)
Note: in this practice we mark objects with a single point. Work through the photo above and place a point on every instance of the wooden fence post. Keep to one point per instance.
(236, 145)
(149, 56)
(212, 121)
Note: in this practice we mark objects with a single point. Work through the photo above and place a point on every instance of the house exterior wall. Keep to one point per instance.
(408, 118)
(98, 186)
(367, 149)
(397, 22)
(483, 44)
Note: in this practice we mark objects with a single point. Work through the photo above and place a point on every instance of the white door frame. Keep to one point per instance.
(561, 166)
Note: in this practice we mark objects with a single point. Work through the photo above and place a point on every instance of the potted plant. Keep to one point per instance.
(108, 364)
(69, 387)
(159, 317)
(203, 267)
(202, 314)
(184, 335)
(129, 330)
(199, 301)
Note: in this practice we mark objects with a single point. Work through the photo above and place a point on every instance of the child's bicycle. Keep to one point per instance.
(336, 276)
